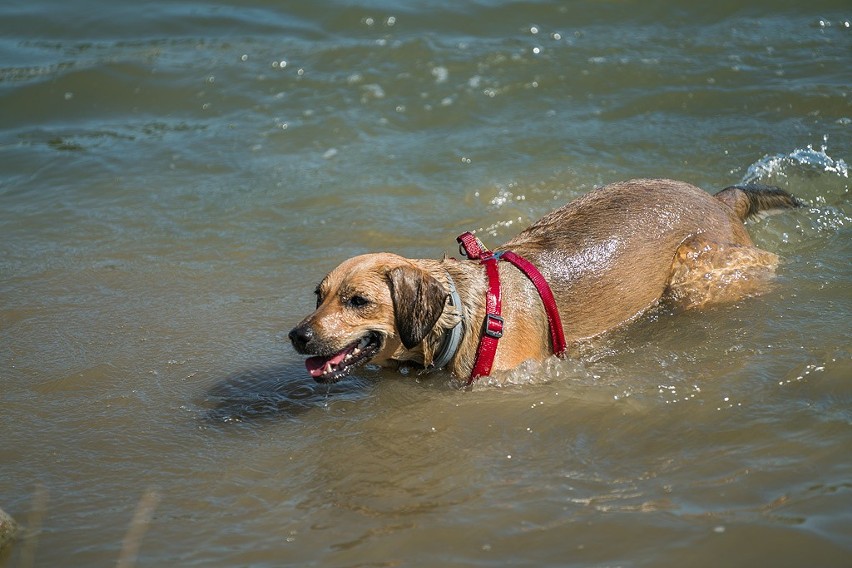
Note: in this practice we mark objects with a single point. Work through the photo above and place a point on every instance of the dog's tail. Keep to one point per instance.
(752, 199)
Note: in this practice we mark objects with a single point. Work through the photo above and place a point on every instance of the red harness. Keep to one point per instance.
(492, 329)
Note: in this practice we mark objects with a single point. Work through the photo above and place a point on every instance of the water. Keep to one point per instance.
(176, 177)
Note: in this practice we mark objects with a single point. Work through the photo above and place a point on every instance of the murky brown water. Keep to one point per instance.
(176, 177)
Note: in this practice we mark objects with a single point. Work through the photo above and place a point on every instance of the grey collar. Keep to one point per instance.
(453, 336)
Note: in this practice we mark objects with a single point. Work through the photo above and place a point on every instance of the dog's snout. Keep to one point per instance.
(300, 336)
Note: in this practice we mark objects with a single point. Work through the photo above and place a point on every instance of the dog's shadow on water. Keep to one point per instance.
(276, 391)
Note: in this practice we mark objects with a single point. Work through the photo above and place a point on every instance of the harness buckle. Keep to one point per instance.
(494, 326)
(470, 246)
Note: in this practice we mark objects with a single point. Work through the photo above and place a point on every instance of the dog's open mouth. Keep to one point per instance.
(328, 369)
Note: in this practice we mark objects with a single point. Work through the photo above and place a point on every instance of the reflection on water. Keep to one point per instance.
(279, 392)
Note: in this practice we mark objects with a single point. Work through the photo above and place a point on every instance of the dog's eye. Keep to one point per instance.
(318, 294)
(357, 301)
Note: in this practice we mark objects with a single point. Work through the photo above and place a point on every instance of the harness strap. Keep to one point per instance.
(557, 336)
(492, 330)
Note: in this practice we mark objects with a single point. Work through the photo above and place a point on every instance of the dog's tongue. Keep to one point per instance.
(316, 365)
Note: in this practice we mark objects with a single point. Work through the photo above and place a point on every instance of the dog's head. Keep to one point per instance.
(373, 307)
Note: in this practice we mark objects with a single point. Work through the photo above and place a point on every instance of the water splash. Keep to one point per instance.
(820, 181)
(801, 160)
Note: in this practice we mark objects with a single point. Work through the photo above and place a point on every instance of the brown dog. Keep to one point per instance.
(608, 257)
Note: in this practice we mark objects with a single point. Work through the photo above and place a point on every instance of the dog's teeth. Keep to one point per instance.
(327, 368)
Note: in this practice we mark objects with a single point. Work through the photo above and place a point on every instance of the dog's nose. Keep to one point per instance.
(300, 336)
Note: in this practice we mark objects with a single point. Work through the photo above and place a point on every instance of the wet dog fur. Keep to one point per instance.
(608, 256)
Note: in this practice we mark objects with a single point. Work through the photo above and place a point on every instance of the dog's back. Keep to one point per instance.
(609, 255)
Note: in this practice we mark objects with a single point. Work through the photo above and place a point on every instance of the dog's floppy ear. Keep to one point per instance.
(418, 301)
